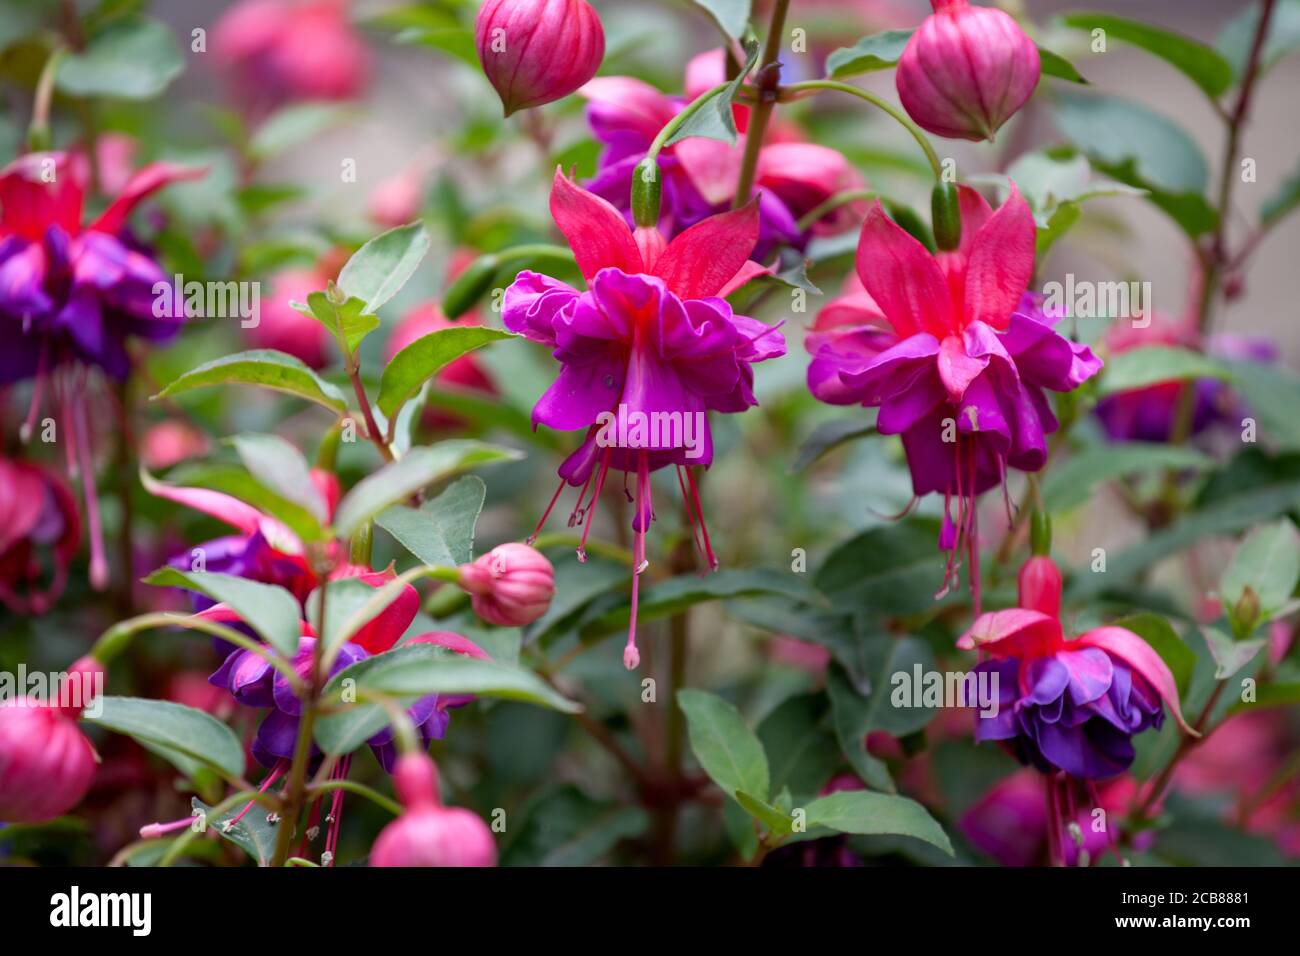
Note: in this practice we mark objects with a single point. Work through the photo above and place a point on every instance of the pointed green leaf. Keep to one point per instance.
(728, 751)
(269, 610)
(426, 357)
(174, 726)
(441, 531)
(379, 269)
(264, 368)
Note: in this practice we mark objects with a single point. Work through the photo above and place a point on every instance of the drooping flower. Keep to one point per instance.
(46, 762)
(538, 51)
(1072, 705)
(966, 70)
(39, 534)
(955, 353)
(428, 833)
(280, 51)
(510, 586)
(1149, 413)
(699, 176)
(652, 340)
(72, 295)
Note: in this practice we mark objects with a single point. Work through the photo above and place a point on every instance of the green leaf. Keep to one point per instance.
(676, 594)
(714, 120)
(1071, 482)
(728, 751)
(801, 752)
(1143, 149)
(1231, 656)
(281, 467)
(253, 834)
(348, 322)
(1154, 364)
(1202, 64)
(134, 58)
(1281, 202)
(893, 569)
(268, 609)
(880, 51)
(831, 435)
(441, 531)
(565, 827)
(731, 16)
(1164, 640)
(379, 269)
(1273, 395)
(399, 480)
(456, 41)
(1268, 562)
(166, 726)
(294, 125)
(424, 358)
(1283, 36)
(1053, 64)
(264, 368)
(854, 717)
(577, 586)
(776, 821)
(412, 671)
(344, 599)
(860, 811)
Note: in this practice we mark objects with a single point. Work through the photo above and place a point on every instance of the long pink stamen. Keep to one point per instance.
(276, 772)
(690, 512)
(591, 509)
(547, 513)
(704, 528)
(335, 817)
(577, 515)
(154, 830)
(38, 387)
(644, 514)
(98, 562)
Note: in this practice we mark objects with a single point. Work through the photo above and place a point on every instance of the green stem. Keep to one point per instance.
(38, 133)
(810, 86)
(114, 640)
(351, 786)
(768, 81)
(673, 125)
(830, 205)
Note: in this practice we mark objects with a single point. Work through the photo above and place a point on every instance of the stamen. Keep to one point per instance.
(631, 656)
(336, 814)
(38, 387)
(154, 830)
(591, 508)
(98, 562)
(710, 557)
(271, 778)
(689, 511)
(547, 513)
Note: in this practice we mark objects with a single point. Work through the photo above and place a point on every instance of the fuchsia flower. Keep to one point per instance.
(955, 353)
(510, 586)
(46, 762)
(538, 51)
(1148, 413)
(966, 70)
(1075, 704)
(39, 534)
(428, 833)
(72, 295)
(652, 336)
(281, 51)
(700, 176)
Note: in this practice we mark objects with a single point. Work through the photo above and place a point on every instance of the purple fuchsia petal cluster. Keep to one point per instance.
(956, 354)
(700, 176)
(1071, 705)
(72, 296)
(652, 336)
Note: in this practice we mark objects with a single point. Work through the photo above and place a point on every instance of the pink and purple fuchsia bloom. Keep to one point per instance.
(652, 336)
(955, 353)
(72, 296)
(1071, 705)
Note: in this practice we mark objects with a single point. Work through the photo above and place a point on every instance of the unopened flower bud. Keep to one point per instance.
(1040, 586)
(470, 286)
(966, 70)
(537, 51)
(945, 215)
(512, 585)
(429, 834)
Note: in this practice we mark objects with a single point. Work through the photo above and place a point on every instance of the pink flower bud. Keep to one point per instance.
(429, 834)
(172, 442)
(512, 585)
(537, 51)
(46, 762)
(1040, 586)
(966, 70)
